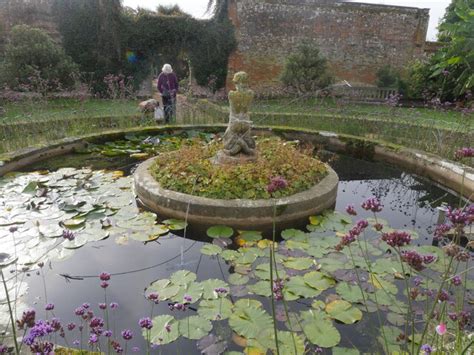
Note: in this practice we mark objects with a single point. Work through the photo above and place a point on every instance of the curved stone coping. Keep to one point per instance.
(453, 175)
(238, 213)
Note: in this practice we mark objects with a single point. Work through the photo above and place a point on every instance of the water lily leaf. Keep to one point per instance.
(380, 283)
(194, 327)
(386, 266)
(262, 271)
(183, 277)
(246, 303)
(165, 289)
(192, 289)
(210, 285)
(294, 244)
(73, 223)
(343, 312)
(319, 330)
(396, 319)
(249, 322)
(294, 234)
(288, 342)
(78, 242)
(165, 330)
(211, 249)
(220, 232)
(298, 286)
(230, 255)
(215, 309)
(298, 263)
(261, 288)
(318, 280)
(151, 233)
(238, 279)
(212, 345)
(330, 264)
(250, 236)
(349, 292)
(175, 224)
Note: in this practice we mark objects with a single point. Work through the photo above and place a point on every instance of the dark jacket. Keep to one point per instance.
(168, 82)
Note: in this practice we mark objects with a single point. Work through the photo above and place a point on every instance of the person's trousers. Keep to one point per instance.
(169, 107)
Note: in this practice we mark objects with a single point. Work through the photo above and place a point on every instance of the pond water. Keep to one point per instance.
(71, 279)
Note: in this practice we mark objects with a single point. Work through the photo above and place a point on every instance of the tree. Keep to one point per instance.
(218, 8)
(453, 64)
(92, 35)
(170, 10)
(449, 74)
(306, 70)
(33, 60)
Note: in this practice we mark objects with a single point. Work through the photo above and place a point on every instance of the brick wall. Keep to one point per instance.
(356, 38)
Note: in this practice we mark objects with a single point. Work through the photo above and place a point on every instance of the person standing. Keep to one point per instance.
(168, 88)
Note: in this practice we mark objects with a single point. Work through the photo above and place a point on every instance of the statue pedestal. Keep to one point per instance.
(222, 158)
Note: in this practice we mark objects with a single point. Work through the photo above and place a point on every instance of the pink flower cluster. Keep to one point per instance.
(466, 152)
(396, 238)
(277, 183)
(352, 235)
(416, 260)
(372, 204)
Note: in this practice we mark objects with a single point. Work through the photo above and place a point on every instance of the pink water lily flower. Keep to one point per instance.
(441, 329)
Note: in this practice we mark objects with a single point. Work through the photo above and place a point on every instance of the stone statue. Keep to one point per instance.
(239, 146)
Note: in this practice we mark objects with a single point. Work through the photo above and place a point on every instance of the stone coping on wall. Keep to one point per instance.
(452, 175)
(237, 213)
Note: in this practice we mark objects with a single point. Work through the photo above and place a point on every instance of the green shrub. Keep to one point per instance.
(34, 62)
(448, 74)
(190, 170)
(306, 70)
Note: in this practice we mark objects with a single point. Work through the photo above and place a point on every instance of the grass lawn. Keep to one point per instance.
(320, 106)
(67, 108)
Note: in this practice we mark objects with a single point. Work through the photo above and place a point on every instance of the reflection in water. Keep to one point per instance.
(410, 202)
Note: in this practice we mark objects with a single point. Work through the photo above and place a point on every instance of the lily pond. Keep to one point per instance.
(107, 276)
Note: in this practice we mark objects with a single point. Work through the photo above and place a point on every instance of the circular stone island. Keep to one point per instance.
(244, 214)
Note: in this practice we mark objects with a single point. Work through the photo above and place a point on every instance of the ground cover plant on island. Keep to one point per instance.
(343, 274)
(191, 170)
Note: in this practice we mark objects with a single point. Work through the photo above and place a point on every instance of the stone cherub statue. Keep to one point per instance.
(238, 143)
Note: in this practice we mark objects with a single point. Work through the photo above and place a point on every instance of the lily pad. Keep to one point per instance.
(194, 327)
(319, 329)
(220, 232)
(247, 303)
(294, 234)
(183, 277)
(318, 280)
(298, 263)
(210, 285)
(250, 236)
(230, 255)
(191, 289)
(238, 279)
(249, 322)
(165, 330)
(165, 289)
(175, 224)
(349, 292)
(343, 311)
(261, 288)
(262, 271)
(215, 309)
(211, 249)
(298, 286)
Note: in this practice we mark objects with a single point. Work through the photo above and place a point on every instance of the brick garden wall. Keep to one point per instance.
(357, 38)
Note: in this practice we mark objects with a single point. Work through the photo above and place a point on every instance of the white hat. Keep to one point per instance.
(167, 69)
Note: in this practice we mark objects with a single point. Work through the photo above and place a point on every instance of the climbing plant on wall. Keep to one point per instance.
(152, 38)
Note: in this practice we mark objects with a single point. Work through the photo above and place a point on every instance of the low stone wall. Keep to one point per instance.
(238, 213)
